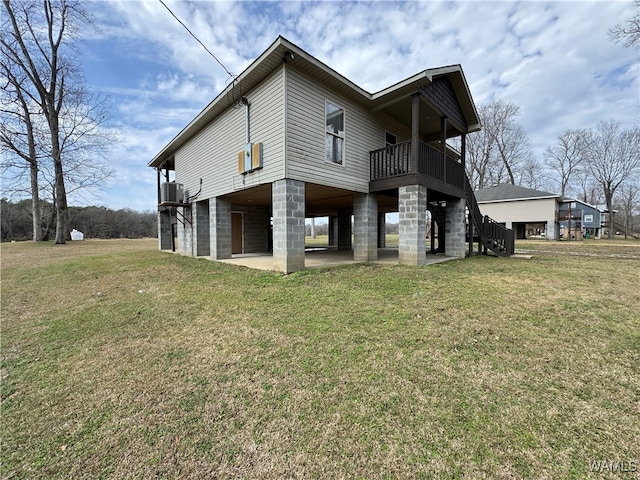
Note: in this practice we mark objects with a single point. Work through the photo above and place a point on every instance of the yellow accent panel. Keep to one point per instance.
(256, 155)
(241, 161)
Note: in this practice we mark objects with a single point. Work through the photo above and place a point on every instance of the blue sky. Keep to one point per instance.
(552, 59)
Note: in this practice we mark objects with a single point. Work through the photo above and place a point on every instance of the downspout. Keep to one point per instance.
(247, 105)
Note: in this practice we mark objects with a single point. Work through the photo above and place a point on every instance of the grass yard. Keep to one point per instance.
(323, 240)
(119, 361)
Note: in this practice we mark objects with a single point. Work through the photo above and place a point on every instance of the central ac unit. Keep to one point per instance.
(171, 192)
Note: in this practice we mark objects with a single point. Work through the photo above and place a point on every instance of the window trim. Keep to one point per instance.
(343, 137)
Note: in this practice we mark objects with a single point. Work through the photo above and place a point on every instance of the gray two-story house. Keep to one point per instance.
(291, 139)
(578, 219)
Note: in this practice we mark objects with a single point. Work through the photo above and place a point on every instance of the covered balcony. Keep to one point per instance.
(417, 163)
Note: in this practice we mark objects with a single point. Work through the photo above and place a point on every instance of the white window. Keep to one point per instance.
(334, 140)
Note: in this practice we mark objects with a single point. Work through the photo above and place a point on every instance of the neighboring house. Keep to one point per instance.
(578, 219)
(291, 139)
(518, 207)
(618, 228)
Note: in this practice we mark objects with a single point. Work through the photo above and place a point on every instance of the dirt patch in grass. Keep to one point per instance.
(119, 361)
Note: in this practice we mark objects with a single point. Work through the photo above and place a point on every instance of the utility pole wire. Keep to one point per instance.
(197, 39)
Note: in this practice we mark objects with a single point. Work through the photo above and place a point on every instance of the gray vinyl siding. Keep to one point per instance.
(306, 136)
(212, 154)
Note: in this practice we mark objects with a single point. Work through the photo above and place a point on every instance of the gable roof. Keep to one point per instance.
(505, 192)
(566, 200)
(273, 57)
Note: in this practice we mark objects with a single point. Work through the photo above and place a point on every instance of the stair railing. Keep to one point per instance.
(492, 235)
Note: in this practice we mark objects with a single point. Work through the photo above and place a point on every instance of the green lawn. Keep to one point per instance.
(119, 361)
(323, 240)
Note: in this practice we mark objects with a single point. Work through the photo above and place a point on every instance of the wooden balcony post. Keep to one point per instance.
(415, 130)
(463, 150)
(159, 196)
(443, 145)
(470, 223)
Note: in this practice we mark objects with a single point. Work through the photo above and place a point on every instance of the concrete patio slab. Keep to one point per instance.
(323, 257)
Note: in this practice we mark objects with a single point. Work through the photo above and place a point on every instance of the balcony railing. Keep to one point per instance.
(395, 160)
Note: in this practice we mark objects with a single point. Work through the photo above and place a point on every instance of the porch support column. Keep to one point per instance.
(463, 149)
(365, 223)
(415, 131)
(443, 136)
(443, 145)
(288, 205)
(344, 230)
(219, 228)
(551, 232)
(185, 231)
(201, 228)
(470, 226)
(433, 234)
(412, 228)
(165, 235)
(382, 230)
(454, 220)
(159, 178)
(333, 231)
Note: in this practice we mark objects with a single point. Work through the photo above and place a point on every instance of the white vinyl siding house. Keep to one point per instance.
(290, 138)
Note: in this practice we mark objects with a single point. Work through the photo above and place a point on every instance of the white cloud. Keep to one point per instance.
(552, 59)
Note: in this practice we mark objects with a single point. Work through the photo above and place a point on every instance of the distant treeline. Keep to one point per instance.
(93, 222)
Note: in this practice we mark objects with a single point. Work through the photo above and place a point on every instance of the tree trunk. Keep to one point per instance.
(46, 232)
(35, 204)
(609, 200)
(62, 214)
(61, 208)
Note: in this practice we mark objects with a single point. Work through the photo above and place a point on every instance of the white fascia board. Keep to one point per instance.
(404, 83)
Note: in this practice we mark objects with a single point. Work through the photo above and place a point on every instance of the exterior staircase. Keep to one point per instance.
(618, 227)
(489, 234)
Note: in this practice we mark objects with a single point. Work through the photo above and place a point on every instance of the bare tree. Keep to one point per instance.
(84, 140)
(39, 42)
(479, 158)
(18, 132)
(532, 174)
(629, 31)
(586, 187)
(513, 145)
(565, 156)
(612, 157)
(628, 202)
(501, 149)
